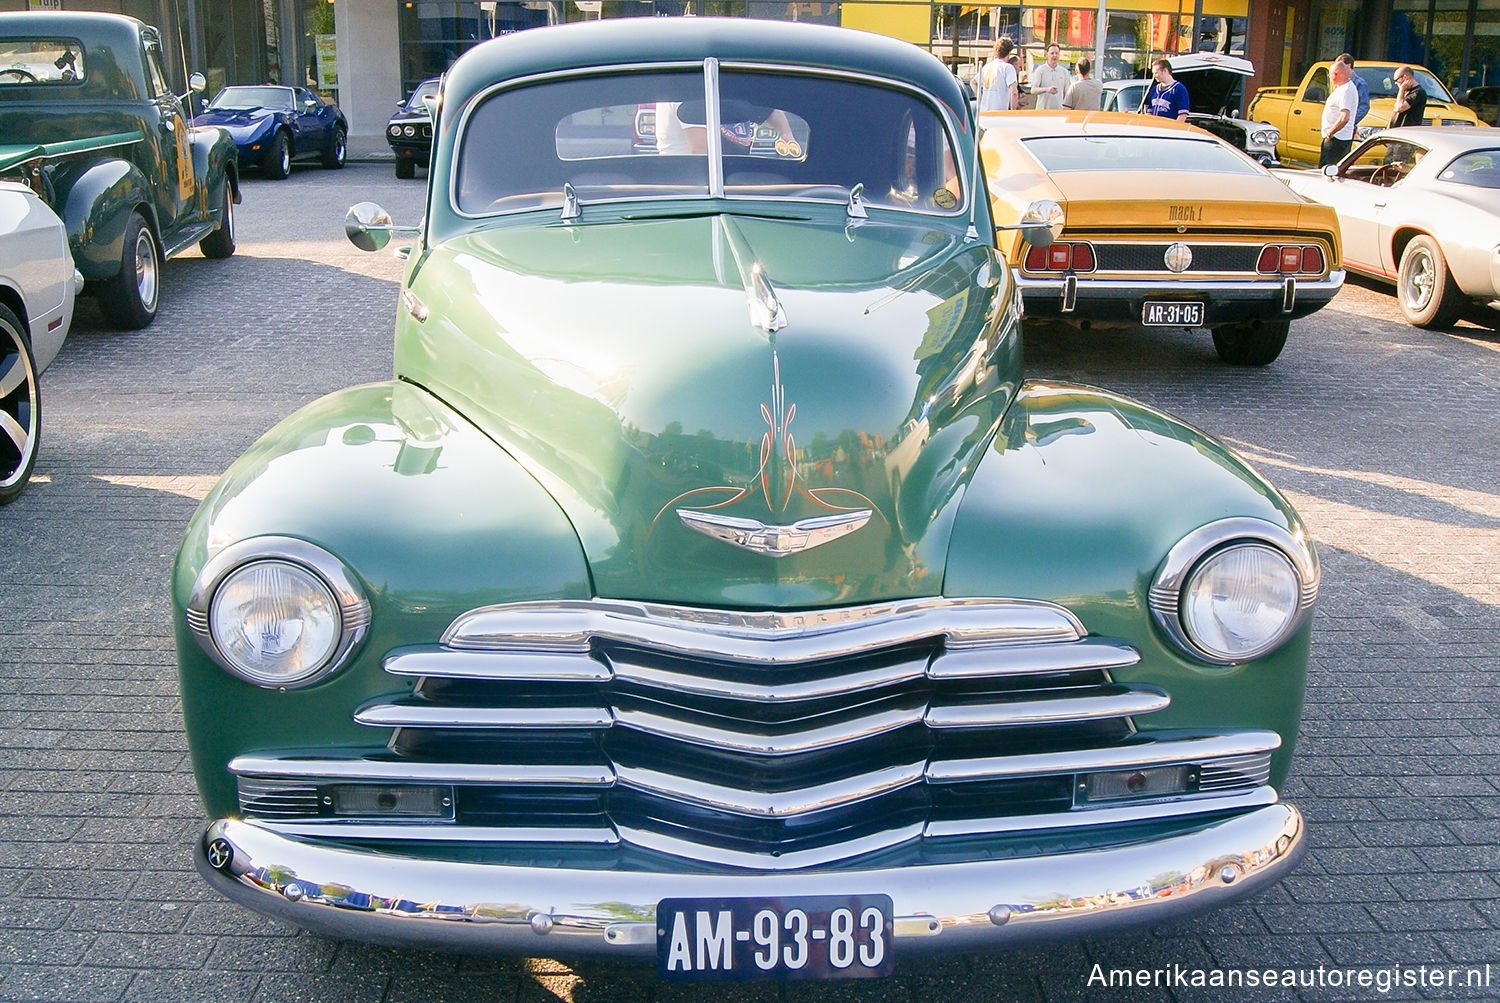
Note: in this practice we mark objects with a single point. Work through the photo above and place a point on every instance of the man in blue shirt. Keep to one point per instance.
(1360, 88)
(1169, 97)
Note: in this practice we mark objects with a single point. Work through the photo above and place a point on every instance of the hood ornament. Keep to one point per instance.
(777, 481)
(774, 541)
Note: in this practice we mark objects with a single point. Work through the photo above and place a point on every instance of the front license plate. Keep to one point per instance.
(1172, 313)
(822, 937)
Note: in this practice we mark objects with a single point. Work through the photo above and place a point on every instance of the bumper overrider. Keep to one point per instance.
(1072, 297)
(347, 892)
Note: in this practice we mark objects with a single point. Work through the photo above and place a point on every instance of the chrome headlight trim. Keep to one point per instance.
(353, 607)
(1185, 557)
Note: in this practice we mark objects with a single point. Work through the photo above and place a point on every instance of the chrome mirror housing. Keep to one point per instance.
(369, 227)
(1040, 225)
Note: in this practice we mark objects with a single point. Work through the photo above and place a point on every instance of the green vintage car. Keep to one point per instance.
(88, 122)
(708, 584)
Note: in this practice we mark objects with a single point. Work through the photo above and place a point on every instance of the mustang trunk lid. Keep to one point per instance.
(732, 410)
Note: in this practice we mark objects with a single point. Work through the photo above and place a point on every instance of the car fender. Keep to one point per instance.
(101, 195)
(215, 164)
(429, 515)
(1077, 502)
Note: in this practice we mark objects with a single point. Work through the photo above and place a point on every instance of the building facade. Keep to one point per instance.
(368, 54)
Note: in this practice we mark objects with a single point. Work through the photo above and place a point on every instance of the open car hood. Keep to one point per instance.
(1210, 78)
(731, 410)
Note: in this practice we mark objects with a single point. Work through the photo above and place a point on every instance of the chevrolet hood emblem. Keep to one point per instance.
(774, 541)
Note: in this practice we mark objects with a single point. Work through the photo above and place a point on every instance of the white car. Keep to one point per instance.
(38, 285)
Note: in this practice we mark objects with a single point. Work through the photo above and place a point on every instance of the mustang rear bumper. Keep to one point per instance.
(973, 905)
(1225, 301)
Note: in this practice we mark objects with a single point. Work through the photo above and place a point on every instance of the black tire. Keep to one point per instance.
(405, 169)
(20, 408)
(1253, 343)
(338, 149)
(220, 243)
(278, 161)
(1425, 289)
(129, 300)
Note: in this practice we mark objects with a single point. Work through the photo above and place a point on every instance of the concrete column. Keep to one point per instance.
(369, 70)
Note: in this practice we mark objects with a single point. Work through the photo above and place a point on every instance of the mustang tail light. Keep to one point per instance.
(1290, 259)
(1061, 257)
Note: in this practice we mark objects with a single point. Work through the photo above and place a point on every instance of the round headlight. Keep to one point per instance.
(275, 623)
(1240, 602)
(407, 130)
(395, 130)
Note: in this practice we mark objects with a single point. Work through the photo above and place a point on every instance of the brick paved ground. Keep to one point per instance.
(1381, 433)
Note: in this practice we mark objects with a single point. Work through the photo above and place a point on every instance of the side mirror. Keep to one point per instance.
(369, 227)
(1332, 170)
(197, 82)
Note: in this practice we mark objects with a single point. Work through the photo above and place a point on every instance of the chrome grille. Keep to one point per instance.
(1150, 257)
(765, 739)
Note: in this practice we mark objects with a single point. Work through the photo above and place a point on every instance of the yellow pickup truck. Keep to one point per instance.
(1298, 111)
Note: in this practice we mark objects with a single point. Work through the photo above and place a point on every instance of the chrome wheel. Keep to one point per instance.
(1417, 280)
(20, 408)
(147, 270)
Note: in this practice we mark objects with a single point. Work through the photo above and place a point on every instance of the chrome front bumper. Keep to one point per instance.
(974, 905)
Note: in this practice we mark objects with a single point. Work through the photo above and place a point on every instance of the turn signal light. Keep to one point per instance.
(1060, 257)
(1290, 259)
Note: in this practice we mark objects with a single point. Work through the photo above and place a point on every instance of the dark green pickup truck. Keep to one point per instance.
(88, 121)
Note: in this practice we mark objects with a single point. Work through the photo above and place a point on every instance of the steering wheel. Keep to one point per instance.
(25, 76)
(1388, 174)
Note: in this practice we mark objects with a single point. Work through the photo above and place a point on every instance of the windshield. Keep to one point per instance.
(630, 135)
(40, 61)
(1382, 82)
(1479, 169)
(250, 98)
(426, 89)
(1136, 153)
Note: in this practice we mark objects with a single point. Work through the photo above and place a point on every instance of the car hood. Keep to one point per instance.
(233, 118)
(678, 384)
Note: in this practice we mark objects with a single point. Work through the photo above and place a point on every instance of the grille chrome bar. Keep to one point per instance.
(443, 832)
(790, 860)
(1033, 660)
(382, 770)
(762, 804)
(767, 693)
(761, 743)
(419, 715)
(1105, 702)
(1255, 798)
(508, 666)
(1154, 752)
(760, 638)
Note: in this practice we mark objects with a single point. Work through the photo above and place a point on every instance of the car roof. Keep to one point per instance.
(1448, 140)
(639, 41)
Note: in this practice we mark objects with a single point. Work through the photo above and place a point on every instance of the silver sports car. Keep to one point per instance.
(1419, 207)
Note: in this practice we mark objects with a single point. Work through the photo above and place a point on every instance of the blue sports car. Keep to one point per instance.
(272, 126)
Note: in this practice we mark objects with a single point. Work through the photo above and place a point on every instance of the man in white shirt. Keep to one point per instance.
(997, 81)
(1338, 116)
(1049, 82)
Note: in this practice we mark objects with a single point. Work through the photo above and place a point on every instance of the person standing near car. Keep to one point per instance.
(1411, 99)
(1169, 96)
(1086, 92)
(1362, 89)
(1338, 116)
(997, 81)
(1050, 81)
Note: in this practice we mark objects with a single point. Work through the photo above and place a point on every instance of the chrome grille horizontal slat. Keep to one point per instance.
(445, 832)
(785, 861)
(381, 770)
(1036, 659)
(766, 692)
(497, 665)
(1106, 702)
(418, 715)
(1238, 771)
(1114, 814)
(770, 804)
(759, 638)
(1148, 753)
(762, 743)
